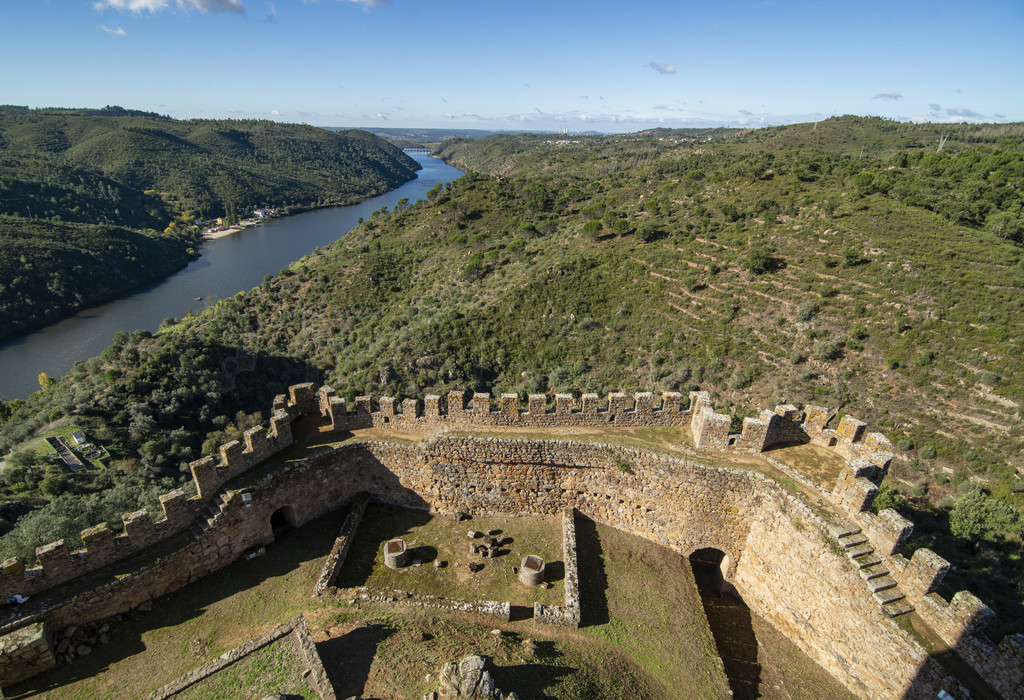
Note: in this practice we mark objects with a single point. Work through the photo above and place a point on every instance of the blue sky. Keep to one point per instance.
(603, 66)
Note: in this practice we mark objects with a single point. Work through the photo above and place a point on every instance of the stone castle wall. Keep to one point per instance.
(784, 570)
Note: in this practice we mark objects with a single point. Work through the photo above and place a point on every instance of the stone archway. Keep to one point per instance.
(729, 619)
(282, 520)
(716, 562)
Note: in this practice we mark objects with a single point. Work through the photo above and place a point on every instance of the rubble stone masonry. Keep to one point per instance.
(782, 558)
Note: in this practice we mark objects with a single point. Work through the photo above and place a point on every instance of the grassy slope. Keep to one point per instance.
(877, 305)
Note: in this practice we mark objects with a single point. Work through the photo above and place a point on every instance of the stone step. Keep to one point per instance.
(897, 608)
(867, 561)
(882, 583)
(852, 540)
(859, 550)
(872, 571)
(889, 595)
(838, 530)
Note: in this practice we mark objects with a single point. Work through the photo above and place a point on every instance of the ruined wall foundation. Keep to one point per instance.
(832, 582)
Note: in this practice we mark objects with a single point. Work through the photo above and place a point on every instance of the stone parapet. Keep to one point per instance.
(342, 544)
(26, 652)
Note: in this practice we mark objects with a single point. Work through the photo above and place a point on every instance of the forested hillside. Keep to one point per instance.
(142, 176)
(851, 263)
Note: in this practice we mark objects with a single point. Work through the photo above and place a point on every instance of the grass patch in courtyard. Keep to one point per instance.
(435, 538)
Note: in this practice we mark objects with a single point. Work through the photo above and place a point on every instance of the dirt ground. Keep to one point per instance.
(644, 632)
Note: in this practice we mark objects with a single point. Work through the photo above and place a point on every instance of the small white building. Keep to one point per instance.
(79, 437)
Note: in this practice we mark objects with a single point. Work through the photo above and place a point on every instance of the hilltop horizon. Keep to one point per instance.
(581, 67)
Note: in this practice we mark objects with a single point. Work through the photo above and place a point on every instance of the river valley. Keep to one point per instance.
(227, 266)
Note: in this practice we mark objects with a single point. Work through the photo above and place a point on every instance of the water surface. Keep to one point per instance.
(227, 266)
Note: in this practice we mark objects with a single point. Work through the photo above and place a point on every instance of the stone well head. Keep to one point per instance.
(395, 554)
(531, 571)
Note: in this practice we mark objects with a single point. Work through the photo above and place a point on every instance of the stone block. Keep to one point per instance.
(815, 418)
(456, 405)
(12, 569)
(481, 404)
(410, 409)
(564, 404)
(616, 403)
(671, 402)
(301, 396)
(699, 399)
(538, 404)
(590, 404)
(257, 442)
(877, 441)
(139, 527)
(204, 474)
(324, 395)
(364, 408)
(99, 542)
(432, 406)
(510, 405)
(176, 508)
(787, 411)
(54, 559)
(26, 652)
(231, 455)
(890, 531)
(923, 574)
(531, 570)
(643, 403)
(850, 429)
(754, 433)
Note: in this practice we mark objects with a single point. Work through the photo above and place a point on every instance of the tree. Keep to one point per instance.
(976, 516)
(760, 260)
(45, 381)
(1006, 225)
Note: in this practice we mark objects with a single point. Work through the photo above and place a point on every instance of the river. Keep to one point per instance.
(227, 266)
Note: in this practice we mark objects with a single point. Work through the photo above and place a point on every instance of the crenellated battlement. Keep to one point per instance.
(480, 410)
(871, 542)
(55, 564)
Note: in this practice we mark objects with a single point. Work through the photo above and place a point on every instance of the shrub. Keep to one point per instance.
(888, 497)
(760, 260)
(926, 452)
(806, 311)
(830, 350)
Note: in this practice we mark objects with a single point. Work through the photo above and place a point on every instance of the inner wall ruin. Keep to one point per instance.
(801, 567)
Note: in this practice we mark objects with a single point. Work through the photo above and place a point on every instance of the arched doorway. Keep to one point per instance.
(282, 520)
(729, 620)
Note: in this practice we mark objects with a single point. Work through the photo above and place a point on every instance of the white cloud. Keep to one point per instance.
(116, 31)
(369, 4)
(275, 113)
(663, 68)
(157, 5)
(964, 112)
(888, 96)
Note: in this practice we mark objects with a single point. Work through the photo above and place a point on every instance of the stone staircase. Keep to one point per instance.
(210, 513)
(877, 578)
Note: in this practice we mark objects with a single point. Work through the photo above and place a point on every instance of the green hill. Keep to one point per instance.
(850, 264)
(131, 170)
